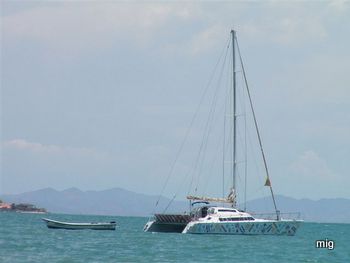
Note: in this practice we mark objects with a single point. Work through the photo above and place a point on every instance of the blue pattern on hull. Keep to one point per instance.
(246, 228)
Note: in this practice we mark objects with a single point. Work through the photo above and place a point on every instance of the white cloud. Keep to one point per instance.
(310, 84)
(339, 5)
(82, 25)
(287, 24)
(34, 147)
(332, 70)
(207, 39)
(311, 165)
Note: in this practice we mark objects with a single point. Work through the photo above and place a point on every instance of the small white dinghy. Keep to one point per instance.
(77, 226)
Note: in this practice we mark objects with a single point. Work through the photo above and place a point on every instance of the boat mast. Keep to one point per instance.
(234, 153)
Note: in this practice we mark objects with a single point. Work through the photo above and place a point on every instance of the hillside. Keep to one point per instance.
(115, 201)
(118, 201)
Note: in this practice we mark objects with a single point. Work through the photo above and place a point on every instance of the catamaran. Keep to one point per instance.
(206, 218)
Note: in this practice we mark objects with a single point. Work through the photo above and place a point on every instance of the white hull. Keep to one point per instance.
(78, 226)
(263, 227)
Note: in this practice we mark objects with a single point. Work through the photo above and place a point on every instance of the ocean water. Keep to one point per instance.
(25, 238)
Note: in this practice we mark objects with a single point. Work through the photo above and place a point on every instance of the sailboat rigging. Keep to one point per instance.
(212, 219)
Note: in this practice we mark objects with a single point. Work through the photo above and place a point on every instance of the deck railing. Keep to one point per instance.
(273, 216)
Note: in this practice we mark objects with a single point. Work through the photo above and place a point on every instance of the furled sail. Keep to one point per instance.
(209, 199)
(230, 198)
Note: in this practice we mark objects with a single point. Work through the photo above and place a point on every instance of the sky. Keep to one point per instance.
(100, 94)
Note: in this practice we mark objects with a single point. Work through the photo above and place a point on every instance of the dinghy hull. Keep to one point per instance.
(79, 226)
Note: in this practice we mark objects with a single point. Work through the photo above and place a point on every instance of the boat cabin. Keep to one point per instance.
(221, 214)
(200, 212)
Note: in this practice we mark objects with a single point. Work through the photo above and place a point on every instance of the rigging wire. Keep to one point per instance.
(245, 154)
(243, 141)
(254, 154)
(206, 133)
(183, 181)
(210, 123)
(223, 148)
(190, 127)
(257, 130)
(203, 147)
(216, 151)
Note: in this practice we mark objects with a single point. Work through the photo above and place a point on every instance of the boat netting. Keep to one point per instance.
(172, 218)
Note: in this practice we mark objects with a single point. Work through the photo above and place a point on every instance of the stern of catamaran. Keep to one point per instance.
(174, 223)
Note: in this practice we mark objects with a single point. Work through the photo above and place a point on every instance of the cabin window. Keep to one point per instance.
(236, 219)
(211, 211)
(228, 210)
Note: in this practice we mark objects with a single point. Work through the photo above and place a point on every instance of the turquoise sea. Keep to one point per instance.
(25, 238)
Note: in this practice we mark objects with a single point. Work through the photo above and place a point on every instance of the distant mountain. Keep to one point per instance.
(115, 201)
(336, 210)
(118, 201)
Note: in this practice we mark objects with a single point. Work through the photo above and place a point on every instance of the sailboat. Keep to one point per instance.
(207, 218)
